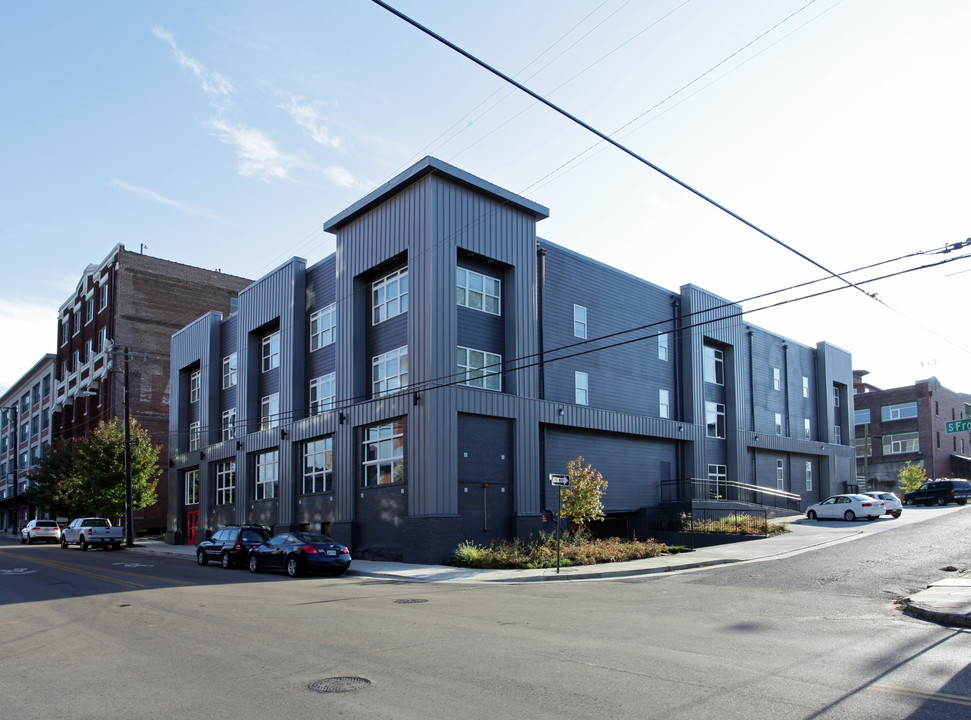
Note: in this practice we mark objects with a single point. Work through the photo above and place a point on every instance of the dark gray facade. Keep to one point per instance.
(471, 359)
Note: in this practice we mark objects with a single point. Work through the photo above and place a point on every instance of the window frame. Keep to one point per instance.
(464, 290)
(904, 442)
(270, 411)
(805, 386)
(478, 376)
(715, 418)
(266, 474)
(581, 387)
(381, 302)
(230, 371)
(191, 496)
(664, 403)
(379, 437)
(321, 469)
(381, 379)
(323, 325)
(227, 425)
(322, 402)
(225, 485)
(809, 476)
(780, 474)
(776, 378)
(779, 428)
(195, 386)
(579, 321)
(662, 346)
(713, 365)
(195, 435)
(270, 351)
(898, 411)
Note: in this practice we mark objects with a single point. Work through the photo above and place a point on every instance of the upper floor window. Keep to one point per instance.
(714, 365)
(662, 346)
(479, 368)
(384, 453)
(776, 379)
(664, 401)
(837, 434)
(65, 324)
(581, 384)
(77, 321)
(191, 487)
(228, 426)
(389, 371)
(104, 296)
(270, 411)
(836, 397)
(863, 447)
(477, 291)
(267, 474)
(778, 423)
(46, 385)
(194, 386)
(322, 393)
(195, 435)
(806, 426)
(229, 371)
(271, 351)
(318, 465)
(322, 327)
(389, 296)
(103, 339)
(898, 411)
(861, 417)
(901, 443)
(805, 386)
(89, 310)
(579, 321)
(35, 394)
(715, 419)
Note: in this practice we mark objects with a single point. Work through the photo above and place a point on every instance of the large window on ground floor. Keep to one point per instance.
(192, 487)
(717, 482)
(226, 482)
(780, 475)
(318, 465)
(267, 474)
(384, 453)
(809, 476)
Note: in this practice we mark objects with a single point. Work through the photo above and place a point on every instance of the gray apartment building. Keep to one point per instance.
(895, 426)
(416, 388)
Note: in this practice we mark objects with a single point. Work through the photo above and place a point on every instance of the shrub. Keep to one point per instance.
(540, 551)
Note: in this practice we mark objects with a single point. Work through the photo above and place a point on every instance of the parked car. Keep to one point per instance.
(940, 492)
(894, 507)
(46, 530)
(87, 531)
(298, 552)
(230, 545)
(848, 507)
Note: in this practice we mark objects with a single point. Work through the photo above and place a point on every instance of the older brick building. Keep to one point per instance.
(132, 302)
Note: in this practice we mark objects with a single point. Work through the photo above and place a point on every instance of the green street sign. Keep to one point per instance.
(956, 426)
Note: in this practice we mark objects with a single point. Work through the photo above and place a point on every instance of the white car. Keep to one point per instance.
(894, 506)
(848, 507)
(46, 530)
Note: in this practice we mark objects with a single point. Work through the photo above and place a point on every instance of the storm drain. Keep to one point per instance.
(339, 684)
(409, 601)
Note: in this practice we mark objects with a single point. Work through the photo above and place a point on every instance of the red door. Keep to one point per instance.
(192, 524)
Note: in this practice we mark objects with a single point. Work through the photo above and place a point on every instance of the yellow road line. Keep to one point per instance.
(61, 565)
(920, 694)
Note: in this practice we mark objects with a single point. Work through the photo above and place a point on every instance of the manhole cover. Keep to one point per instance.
(339, 684)
(409, 601)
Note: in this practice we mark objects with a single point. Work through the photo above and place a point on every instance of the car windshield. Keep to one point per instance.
(312, 538)
(46, 523)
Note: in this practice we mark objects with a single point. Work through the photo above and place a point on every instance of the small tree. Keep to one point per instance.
(581, 499)
(911, 477)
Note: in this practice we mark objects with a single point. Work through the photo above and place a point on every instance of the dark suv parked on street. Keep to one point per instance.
(940, 492)
(230, 545)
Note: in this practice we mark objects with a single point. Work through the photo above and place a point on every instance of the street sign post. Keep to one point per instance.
(956, 426)
(559, 481)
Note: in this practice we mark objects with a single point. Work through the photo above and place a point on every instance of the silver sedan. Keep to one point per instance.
(847, 507)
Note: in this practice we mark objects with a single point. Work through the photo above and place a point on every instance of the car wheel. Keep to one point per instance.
(30, 540)
(908, 502)
(812, 515)
(23, 540)
(201, 558)
(941, 502)
(63, 544)
(871, 518)
(850, 515)
(226, 561)
(83, 544)
(895, 515)
(293, 566)
(254, 563)
(962, 501)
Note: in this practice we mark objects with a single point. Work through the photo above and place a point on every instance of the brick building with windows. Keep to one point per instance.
(134, 302)
(417, 387)
(897, 425)
(25, 432)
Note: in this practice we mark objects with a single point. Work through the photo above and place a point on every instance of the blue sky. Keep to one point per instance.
(223, 134)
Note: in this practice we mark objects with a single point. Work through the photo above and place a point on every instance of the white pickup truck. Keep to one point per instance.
(92, 531)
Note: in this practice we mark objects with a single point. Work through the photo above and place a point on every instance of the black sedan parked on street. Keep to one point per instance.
(299, 552)
(230, 545)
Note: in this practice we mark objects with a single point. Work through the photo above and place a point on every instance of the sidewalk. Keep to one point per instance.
(947, 601)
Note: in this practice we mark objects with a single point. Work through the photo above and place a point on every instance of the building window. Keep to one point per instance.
(806, 425)
(191, 487)
(836, 397)
(837, 434)
(780, 475)
(228, 424)
(103, 339)
(581, 384)
(64, 329)
(195, 435)
(809, 476)
(194, 386)
(805, 386)
(389, 371)
(267, 474)
(776, 379)
(75, 360)
(34, 425)
(717, 482)
(715, 419)
(89, 310)
(104, 297)
(46, 386)
(229, 371)
(77, 321)
(664, 402)
(389, 296)
(899, 411)
(480, 292)
(271, 351)
(270, 411)
(322, 393)
(318, 465)
(579, 321)
(35, 394)
(863, 447)
(901, 443)
(714, 365)
(662, 346)
(479, 368)
(226, 482)
(938, 433)
(384, 453)
(861, 417)
(323, 324)
(778, 423)
(937, 408)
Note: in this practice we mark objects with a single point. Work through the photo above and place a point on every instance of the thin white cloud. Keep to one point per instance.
(342, 177)
(304, 113)
(153, 196)
(214, 84)
(259, 156)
